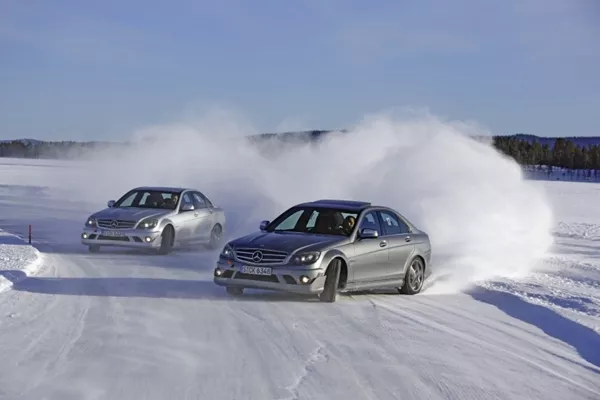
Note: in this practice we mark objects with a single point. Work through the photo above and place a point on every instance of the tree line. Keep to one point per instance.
(26, 148)
(48, 150)
(563, 153)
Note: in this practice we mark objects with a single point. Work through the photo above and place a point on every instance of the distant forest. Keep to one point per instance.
(574, 153)
(26, 148)
(562, 153)
(31, 148)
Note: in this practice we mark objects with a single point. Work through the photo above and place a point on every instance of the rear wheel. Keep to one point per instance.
(329, 294)
(414, 278)
(166, 242)
(216, 235)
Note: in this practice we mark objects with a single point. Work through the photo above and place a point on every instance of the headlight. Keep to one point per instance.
(90, 222)
(228, 251)
(306, 258)
(148, 223)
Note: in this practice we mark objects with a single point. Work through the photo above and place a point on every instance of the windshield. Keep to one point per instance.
(322, 221)
(149, 199)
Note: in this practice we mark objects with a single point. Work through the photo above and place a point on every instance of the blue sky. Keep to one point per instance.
(99, 70)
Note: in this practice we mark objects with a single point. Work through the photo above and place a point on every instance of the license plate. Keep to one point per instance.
(256, 270)
(113, 233)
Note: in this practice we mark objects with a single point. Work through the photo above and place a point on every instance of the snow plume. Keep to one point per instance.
(483, 218)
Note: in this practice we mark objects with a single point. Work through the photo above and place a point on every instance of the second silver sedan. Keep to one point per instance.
(158, 219)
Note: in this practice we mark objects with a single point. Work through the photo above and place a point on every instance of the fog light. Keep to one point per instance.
(84, 235)
(218, 272)
(148, 239)
(304, 279)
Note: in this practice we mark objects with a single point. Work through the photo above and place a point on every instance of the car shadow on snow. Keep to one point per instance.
(159, 288)
(583, 339)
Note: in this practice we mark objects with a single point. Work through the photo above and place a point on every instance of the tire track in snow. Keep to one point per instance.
(430, 321)
(47, 345)
(336, 363)
(317, 356)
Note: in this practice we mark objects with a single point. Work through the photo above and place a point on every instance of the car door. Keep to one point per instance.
(370, 260)
(205, 218)
(185, 221)
(397, 235)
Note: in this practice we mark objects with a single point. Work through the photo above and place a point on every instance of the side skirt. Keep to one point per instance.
(379, 284)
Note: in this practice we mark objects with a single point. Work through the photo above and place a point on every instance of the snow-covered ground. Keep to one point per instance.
(123, 325)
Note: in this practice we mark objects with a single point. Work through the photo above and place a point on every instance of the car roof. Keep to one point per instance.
(350, 205)
(163, 188)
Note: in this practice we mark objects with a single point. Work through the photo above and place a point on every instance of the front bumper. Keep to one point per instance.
(132, 238)
(285, 278)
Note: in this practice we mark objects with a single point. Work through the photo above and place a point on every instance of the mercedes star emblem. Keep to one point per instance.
(114, 224)
(257, 256)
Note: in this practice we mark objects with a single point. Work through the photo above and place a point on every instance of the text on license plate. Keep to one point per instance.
(256, 270)
(112, 233)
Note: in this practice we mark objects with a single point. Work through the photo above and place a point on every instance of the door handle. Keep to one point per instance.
(407, 239)
(382, 243)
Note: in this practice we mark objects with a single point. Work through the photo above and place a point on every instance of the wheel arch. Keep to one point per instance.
(423, 252)
(420, 257)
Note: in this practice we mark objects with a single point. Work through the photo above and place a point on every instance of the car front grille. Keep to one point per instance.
(268, 256)
(107, 223)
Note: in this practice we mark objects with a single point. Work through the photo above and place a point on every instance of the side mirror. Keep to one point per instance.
(369, 233)
(187, 207)
(110, 203)
(263, 225)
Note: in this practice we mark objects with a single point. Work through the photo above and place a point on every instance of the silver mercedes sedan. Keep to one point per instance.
(326, 247)
(158, 219)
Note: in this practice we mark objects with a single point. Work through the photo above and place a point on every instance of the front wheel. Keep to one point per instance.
(329, 294)
(414, 278)
(166, 242)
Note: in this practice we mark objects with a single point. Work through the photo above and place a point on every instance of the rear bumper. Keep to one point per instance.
(131, 238)
(282, 278)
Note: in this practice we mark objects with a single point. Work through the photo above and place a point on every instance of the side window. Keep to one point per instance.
(186, 199)
(199, 201)
(392, 224)
(205, 199)
(370, 221)
(144, 199)
(312, 220)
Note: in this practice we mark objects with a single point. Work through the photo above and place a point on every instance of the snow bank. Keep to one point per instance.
(17, 259)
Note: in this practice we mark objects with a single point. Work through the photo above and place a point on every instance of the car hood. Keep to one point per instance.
(288, 241)
(130, 213)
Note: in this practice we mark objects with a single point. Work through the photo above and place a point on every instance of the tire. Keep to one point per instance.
(234, 291)
(216, 237)
(166, 243)
(414, 278)
(93, 248)
(329, 294)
